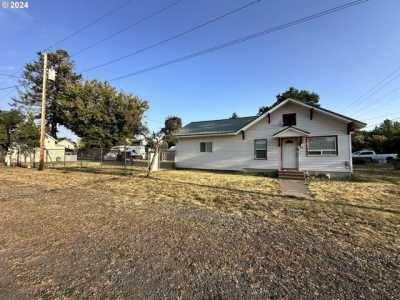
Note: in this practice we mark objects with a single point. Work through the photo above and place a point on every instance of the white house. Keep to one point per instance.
(67, 144)
(290, 136)
(54, 153)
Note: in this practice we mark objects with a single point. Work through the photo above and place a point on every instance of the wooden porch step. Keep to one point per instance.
(291, 174)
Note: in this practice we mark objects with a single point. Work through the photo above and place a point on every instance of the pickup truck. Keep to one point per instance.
(371, 156)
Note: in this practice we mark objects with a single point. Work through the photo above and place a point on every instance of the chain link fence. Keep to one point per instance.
(122, 157)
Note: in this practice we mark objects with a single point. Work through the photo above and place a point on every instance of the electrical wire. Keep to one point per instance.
(114, 34)
(376, 88)
(8, 87)
(174, 37)
(8, 75)
(83, 28)
(243, 39)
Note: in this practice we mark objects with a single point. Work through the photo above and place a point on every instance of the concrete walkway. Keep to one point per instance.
(296, 188)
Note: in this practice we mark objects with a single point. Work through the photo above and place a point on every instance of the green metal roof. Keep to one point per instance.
(223, 126)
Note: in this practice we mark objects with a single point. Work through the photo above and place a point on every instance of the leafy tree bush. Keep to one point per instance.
(29, 97)
(293, 93)
(171, 125)
(100, 115)
(384, 138)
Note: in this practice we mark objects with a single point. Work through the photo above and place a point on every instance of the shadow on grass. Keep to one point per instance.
(116, 171)
(288, 197)
(130, 172)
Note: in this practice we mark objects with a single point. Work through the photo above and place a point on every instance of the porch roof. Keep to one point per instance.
(291, 131)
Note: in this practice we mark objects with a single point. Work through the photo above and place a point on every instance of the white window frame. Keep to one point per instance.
(266, 149)
(208, 147)
(323, 152)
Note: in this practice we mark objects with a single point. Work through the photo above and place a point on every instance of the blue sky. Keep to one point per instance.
(340, 56)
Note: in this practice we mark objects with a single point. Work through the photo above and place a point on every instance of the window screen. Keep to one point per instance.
(205, 147)
(260, 149)
(322, 145)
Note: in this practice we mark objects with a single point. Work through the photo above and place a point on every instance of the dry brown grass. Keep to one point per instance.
(74, 234)
(376, 188)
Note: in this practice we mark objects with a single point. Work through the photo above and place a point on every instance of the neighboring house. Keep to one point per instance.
(67, 144)
(292, 135)
(54, 153)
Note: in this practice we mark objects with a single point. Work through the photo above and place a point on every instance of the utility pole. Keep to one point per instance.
(43, 114)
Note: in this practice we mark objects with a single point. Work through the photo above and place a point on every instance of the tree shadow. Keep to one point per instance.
(130, 172)
(99, 171)
(278, 195)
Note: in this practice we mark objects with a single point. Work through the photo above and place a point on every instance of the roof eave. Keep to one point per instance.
(324, 111)
(295, 129)
(204, 134)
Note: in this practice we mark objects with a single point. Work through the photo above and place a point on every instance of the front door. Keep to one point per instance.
(289, 154)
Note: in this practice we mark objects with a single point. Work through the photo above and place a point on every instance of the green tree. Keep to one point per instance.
(388, 128)
(171, 125)
(29, 97)
(100, 115)
(27, 135)
(384, 138)
(9, 122)
(234, 116)
(378, 142)
(293, 93)
(360, 140)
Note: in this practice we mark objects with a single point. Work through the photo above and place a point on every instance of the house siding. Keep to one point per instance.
(234, 153)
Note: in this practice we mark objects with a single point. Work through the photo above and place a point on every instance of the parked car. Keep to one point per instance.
(112, 155)
(118, 153)
(128, 155)
(370, 156)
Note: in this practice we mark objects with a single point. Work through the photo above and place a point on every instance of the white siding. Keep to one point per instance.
(233, 153)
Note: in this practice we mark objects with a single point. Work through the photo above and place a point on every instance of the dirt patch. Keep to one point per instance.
(82, 235)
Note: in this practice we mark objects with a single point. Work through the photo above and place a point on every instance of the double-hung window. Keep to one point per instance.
(206, 147)
(322, 146)
(260, 149)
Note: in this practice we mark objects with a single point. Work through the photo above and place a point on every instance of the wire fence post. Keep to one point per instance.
(34, 157)
(124, 157)
(101, 157)
(81, 158)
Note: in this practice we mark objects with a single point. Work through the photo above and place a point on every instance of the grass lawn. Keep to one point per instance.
(194, 234)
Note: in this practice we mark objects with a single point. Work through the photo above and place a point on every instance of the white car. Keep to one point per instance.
(117, 153)
(111, 156)
(371, 156)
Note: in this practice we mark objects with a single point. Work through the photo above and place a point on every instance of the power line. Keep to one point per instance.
(377, 101)
(6, 95)
(13, 77)
(377, 87)
(377, 123)
(8, 75)
(174, 37)
(382, 117)
(84, 27)
(244, 38)
(8, 87)
(112, 35)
